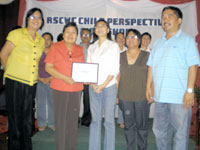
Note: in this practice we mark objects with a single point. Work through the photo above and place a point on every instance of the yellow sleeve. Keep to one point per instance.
(14, 36)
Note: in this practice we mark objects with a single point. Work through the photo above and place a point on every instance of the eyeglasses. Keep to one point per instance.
(35, 17)
(132, 37)
(86, 35)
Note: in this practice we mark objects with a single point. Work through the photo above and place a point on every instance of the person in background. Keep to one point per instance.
(45, 114)
(119, 38)
(146, 40)
(131, 92)
(103, 95)
(60, 37)
(172, 71)
(65, 91)
(86, 118)
(20, 56)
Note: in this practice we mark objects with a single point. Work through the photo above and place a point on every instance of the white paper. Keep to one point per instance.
(85, 72)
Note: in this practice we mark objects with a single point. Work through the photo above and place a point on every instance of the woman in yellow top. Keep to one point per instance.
(20, 56)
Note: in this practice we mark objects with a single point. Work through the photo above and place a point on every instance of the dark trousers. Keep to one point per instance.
(19, 101)
(136, 116)
(66, 111)
(86, 118)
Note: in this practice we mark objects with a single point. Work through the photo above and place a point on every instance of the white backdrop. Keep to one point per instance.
(143, 15)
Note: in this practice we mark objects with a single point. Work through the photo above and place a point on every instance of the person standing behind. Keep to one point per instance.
(119, 38)
(103, 95)
(20, 56)
(45, 115)
(172, 70)
(86, 118)
(146, 40)
(131, 92)
(66, 92)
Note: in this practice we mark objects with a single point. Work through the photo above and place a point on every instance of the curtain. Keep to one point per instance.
(172, 1)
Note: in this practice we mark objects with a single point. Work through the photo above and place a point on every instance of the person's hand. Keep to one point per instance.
(97, 88)
(69, 80)
(117, 101)
(46, 80)
(188, 100)
(43, 80)
(149, 95)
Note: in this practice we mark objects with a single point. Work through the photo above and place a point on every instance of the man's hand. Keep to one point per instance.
(188, 100)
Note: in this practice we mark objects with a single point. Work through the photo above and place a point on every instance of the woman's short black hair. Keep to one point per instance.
(30, 12)
(136, 32)
(176, 10)
(95, 37)
(71, 24)
(48, 33)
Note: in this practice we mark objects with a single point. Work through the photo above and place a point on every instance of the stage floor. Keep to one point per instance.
(45, 139)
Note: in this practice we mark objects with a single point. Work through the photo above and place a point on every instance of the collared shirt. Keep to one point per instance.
(147, 50)
(62, 60)
(22, 64)
(41, 72)
(170, 61)
(107, 56)
(124, 49)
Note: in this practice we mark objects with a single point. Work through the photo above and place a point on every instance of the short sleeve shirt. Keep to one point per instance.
(170, 61)
(22, 64)
(62, 60)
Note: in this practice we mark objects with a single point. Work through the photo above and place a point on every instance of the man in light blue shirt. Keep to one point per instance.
(172, 74)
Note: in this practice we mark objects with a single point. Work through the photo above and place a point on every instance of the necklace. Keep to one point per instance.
(70, 55)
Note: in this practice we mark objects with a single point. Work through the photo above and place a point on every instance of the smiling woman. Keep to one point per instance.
(132, 77)
(66, 92)
(103, 95)
(20, 56)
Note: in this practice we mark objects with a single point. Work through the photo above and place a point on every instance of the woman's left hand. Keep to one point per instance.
(69, 80)
(97, 88)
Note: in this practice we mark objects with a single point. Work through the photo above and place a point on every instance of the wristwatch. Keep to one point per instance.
(190, 90)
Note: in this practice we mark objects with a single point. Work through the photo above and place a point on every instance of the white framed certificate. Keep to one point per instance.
(85, 72)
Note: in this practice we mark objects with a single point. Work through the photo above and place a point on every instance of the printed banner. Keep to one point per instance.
(143, 15)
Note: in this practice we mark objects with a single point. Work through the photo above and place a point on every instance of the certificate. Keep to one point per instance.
(85, 72)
